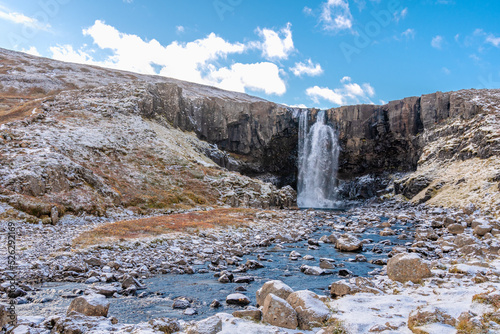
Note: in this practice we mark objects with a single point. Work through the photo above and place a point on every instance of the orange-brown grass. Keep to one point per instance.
(18, 112)
(154, 226)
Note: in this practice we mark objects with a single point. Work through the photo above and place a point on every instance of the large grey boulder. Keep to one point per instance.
(212, 325)
(406, 267)
(276, 287)
(348, 243)
(311, 311)
(93, 305)
(278, 312)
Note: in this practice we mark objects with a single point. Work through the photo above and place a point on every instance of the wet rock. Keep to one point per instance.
(212, 325)
(181, 304)
(166, 325)
(250, 313)
(190, 311)
(237, 299)
(348, 243)
(360, 258)
(215, 304)
(423, 316)
(277, 288)
(224, 279)
(308, 258)
(345, 273)
(312, 270)
(326, 263)
(129, 281)
(278, 312)
(243, 279)
(408, 267)
(92, 305)
(105, 290)
(387, 232)
(311, 311)
(252, 265)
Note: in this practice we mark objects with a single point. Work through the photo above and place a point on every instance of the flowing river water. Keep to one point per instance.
(203, 288)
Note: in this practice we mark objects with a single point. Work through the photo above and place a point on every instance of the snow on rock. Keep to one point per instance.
(311, 311)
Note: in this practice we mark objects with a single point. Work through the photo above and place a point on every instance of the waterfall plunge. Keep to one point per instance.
(318, 163)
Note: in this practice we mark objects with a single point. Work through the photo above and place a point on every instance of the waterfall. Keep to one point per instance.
(318, 163)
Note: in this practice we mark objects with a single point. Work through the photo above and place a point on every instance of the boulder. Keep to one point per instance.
(311, 311)
(277, 288)
(250, 313)
(92, 305)
(237, 299)
(340, 289)
(312, 270)
(131, 281)
(408, 267)
(481, 230)
(348, 243)
(181, 304)
(212, 325)
(456, 228)
(278, 312)
(105, 290)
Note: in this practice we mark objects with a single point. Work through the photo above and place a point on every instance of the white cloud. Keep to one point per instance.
(180, 29)
(336, 15)
(308, 11)
(277, 45)
(263, 76)
(349, 93)
(493, 40)
(307, 68)
(400, 15)
(22, 19)
(437, 42)
(67, 53)
(446, 70)
(408, 33)
(194, 61)
(32, 51)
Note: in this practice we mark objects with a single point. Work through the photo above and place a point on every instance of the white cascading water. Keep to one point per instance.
(318, 163)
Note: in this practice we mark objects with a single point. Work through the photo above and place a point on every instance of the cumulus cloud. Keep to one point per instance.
(194, 61)
(263, 76)
(437, 42)
(336, 15)
(32, 51)
(348, 93)
(493, 40)
(276, 44)
(22, 19)
(308, 68)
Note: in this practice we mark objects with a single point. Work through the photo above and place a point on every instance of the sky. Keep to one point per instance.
(316, 53)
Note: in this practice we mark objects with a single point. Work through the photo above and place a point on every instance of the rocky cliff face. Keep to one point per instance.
(99, 124)
(261, 134)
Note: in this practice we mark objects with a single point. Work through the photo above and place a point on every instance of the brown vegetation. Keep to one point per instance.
(183, 222)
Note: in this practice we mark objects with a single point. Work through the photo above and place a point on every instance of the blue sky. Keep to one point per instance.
(321, 53)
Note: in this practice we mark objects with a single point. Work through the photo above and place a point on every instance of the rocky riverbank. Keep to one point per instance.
(449, 283)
